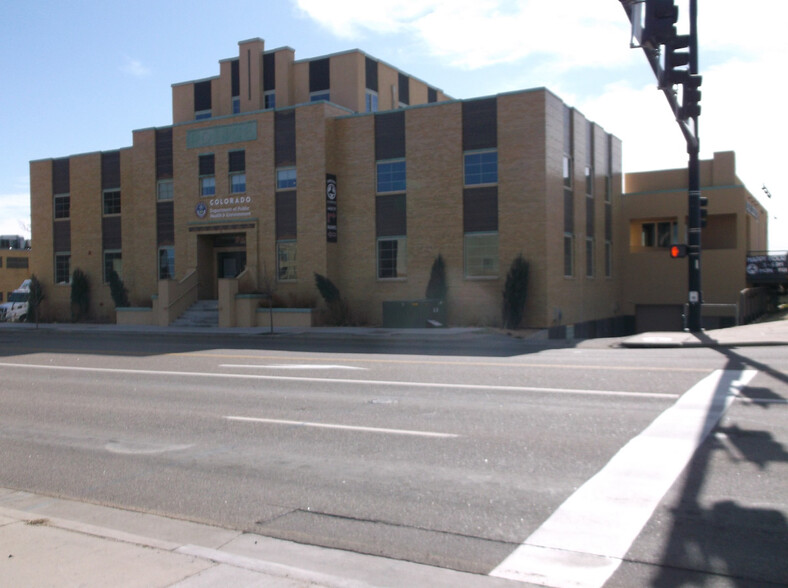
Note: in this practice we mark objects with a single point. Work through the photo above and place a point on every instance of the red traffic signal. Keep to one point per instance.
(677, 251)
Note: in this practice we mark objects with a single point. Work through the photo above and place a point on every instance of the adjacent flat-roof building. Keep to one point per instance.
(655, 217)
(344, 166)
(14, 263)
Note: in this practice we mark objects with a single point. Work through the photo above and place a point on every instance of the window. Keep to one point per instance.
(269, 99)
(589, 174)
(569, 255)
(391, 176)
(237, 168)
(286, 260)
(167, 263)
(202, 114)
(111, 202)
(392, 257)
(371, 101)
(207, 179)
(608, 259)
(238, 182)
(589, 257)
(112, 262)
(660, 234)
(62, 205)
(481, 167)
(236, 104)
(62, 268)
(16, 262)
(208, 186)
(567, 171)
(164, 190)
(286, 178)
(608, 189)
(318, 96)
(481, 255)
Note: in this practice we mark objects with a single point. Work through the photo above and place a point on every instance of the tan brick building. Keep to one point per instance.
(655, 216)
(236, 198)
(14, 264)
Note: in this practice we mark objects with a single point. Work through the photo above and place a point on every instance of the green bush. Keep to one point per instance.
(338, 313)
(34, 300)
(514, 293)
(80, 295)
(118, 291)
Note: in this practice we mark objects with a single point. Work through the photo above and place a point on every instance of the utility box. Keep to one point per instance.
(414, 314)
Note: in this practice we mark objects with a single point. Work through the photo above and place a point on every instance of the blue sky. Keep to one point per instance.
(79, 76)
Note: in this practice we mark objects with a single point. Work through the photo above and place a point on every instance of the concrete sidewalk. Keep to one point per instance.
(47, 541)
(766, 333)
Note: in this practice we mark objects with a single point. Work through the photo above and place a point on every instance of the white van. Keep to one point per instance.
(16, 307)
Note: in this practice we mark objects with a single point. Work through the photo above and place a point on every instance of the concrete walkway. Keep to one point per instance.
(47, 541)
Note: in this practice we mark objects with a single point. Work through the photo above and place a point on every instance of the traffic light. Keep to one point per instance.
(675, 68)
(690, 102)
(677, 251)
(704, 211)
(659, 26)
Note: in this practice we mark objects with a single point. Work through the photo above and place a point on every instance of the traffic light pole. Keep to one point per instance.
(694, 318)
(653, 30)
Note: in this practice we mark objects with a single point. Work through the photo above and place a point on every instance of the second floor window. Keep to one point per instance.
(286, 178)
(111, 202)
(207, 178)
(391, 176)
(62, 205)
(481, 167)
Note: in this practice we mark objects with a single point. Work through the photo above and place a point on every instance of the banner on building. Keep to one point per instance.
(331, 208)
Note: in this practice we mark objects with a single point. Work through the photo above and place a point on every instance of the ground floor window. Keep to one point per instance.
(112, 262)
(481, 255)
(660, 234)
(569, 255)
(62, 268)
(286, 266)
(167, 263)
(392, 257)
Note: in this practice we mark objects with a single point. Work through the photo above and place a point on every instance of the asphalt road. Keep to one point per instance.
(447, 452)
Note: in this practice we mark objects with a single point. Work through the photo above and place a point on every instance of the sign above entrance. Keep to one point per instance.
(224, 208)
(331, 208)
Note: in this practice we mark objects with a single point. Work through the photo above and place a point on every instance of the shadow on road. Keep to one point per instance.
(468, 344)
(745, 543)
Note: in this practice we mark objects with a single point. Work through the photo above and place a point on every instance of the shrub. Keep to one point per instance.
(338, 313)
(514, 293)
(80, 295)
(437, 286)
(34, 300)
(118, 291)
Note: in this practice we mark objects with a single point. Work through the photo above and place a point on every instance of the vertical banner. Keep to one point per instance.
(331, 208)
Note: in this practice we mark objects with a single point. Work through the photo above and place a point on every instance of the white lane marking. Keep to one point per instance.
(296, 366)
(141, 448)
(343, 427)
(348, 381)
(583, 542)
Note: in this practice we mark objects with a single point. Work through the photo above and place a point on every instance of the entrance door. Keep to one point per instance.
(230, 263)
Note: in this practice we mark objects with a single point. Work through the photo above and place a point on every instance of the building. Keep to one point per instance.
(278, 169)
(14, 263)
(654, 215)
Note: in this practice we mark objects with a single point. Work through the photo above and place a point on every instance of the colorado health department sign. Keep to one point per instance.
(226, 208)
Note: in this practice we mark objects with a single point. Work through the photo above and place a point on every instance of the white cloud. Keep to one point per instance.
(135, 68)
(477, 33)
(15, 214)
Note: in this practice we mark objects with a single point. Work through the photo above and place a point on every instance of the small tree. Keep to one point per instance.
(338, 313)
(118, 291)
(437, 286)
(80, 295)
(514, 293)
(35, 297)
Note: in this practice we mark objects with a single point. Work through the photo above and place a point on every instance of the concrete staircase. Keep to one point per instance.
(203, 313)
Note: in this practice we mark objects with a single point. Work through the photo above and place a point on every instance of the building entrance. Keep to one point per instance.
(220, 256)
